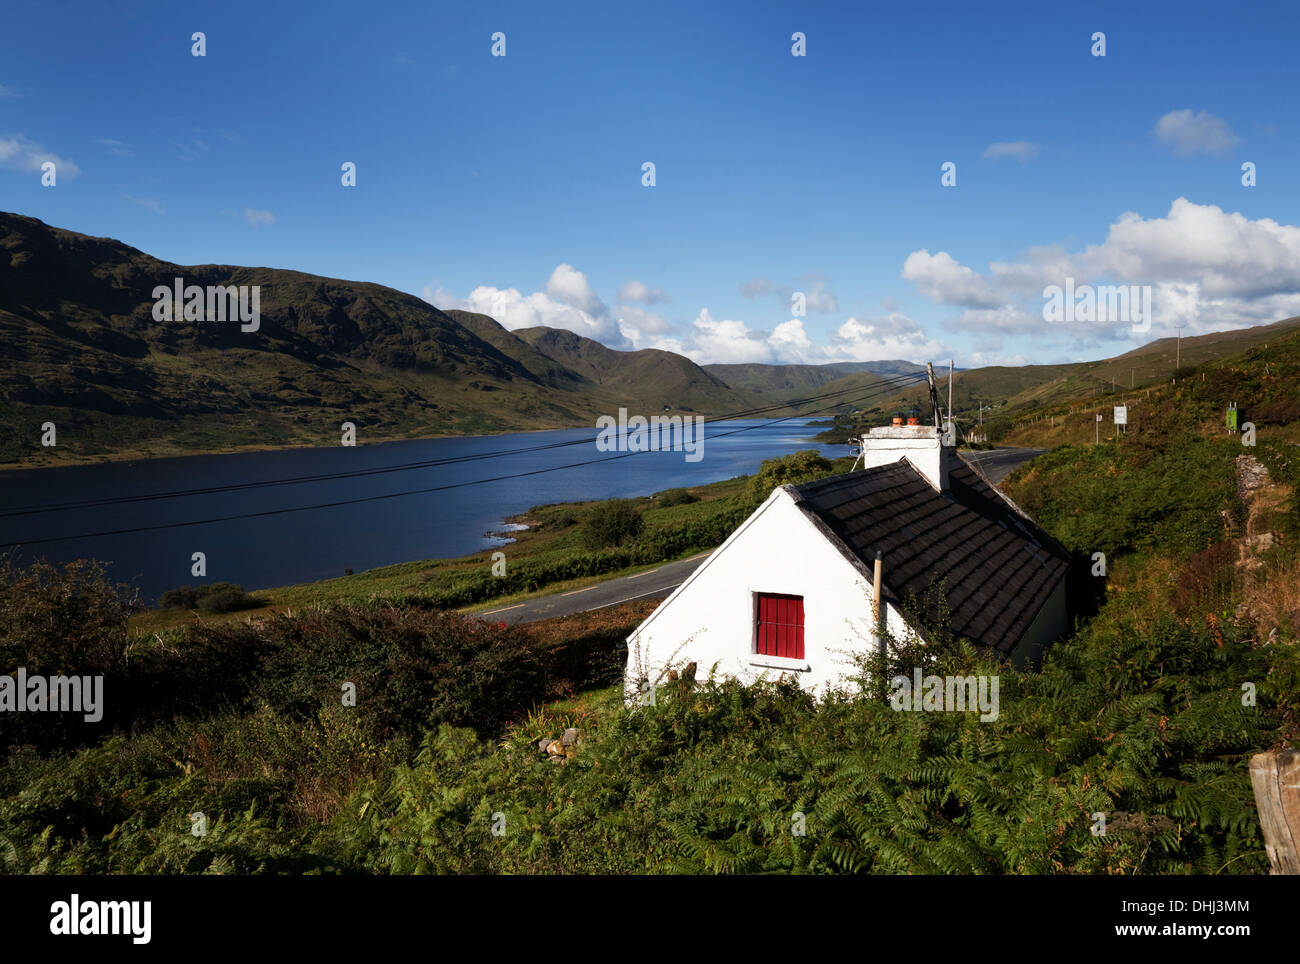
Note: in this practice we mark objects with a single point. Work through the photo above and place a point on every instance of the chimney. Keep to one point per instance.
(922, 445)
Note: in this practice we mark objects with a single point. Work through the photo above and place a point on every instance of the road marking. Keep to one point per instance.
(628, 599)
(640, 574)
(576, 591)
(492, 612)
(700, 556)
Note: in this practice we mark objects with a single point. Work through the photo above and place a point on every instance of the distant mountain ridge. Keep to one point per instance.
(790, 380)
(80, 348)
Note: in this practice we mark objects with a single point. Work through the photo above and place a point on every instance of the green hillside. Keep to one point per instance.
(1009, 392)
(82, 350)
(787, 381)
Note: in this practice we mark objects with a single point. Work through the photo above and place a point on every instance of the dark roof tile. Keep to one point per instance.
(996, 566)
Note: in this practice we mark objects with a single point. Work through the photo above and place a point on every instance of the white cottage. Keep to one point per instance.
(791, 590)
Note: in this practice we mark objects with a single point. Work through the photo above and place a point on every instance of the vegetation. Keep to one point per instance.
(217, 597)
(1147, 714)
(611, 523)
(671, 497)
(800, 467)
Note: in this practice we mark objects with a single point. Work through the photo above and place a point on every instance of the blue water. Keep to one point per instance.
(319, 543)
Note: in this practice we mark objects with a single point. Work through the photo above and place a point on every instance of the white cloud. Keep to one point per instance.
(727, 341)
(569, 286)
(22, 154)
(640, 326)
(1196, 133)
(1007, 319)
(633, 291)
(816, 297)
(940, 277)
(146, 202)
(442, 299)
(733, 342)
(117, 147)
(7, 92)
(193, 149)
(1020, 150)
(1209, 269)
(880, 339)
(256, 217)
(568, 302)
(820, 300)
(981, 359)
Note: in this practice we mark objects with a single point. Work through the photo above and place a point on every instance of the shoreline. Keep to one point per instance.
(119, 457)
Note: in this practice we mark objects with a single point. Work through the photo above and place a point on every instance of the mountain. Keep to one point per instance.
(677, 382)
(1011, 390)
(80, 348)
(789, 381)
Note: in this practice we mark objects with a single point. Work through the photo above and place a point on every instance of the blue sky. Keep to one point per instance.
(513, 185)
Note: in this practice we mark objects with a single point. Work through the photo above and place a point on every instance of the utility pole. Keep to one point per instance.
(1130, 378)
(934, 395)
(1178, 356)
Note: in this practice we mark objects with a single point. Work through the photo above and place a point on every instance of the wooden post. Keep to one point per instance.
(877, 611)
(1275, 778)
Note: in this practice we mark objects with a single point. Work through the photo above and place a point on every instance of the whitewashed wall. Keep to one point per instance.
(709, 619)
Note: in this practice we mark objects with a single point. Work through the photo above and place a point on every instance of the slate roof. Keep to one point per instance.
(996, 567)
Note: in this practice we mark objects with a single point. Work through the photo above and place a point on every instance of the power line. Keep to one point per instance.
(895, 382)
(878, 390)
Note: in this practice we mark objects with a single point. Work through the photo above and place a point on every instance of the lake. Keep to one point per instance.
(275, 547)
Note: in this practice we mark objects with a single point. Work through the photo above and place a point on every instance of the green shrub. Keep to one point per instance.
(794, 469)
(611, 523)
(217, 597)
(671, 497)
(184, 597)
(223, 597)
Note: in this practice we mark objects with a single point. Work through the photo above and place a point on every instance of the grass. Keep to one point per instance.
(554, 534)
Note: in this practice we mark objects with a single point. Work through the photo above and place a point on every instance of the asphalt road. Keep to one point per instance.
(995, 464)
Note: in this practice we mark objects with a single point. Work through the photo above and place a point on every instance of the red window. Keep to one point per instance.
(780, 626)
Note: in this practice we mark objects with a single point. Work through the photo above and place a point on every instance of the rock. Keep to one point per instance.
(555, 748)
(542, 744)
(570, 736)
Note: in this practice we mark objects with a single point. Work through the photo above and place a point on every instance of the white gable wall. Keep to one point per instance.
(709, 619)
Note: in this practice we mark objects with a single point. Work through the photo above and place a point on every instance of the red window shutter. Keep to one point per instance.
(780, 625)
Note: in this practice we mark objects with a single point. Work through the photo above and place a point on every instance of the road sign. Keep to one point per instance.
(1121, 414)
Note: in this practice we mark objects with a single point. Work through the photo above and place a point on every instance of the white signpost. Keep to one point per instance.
(1121, 414)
